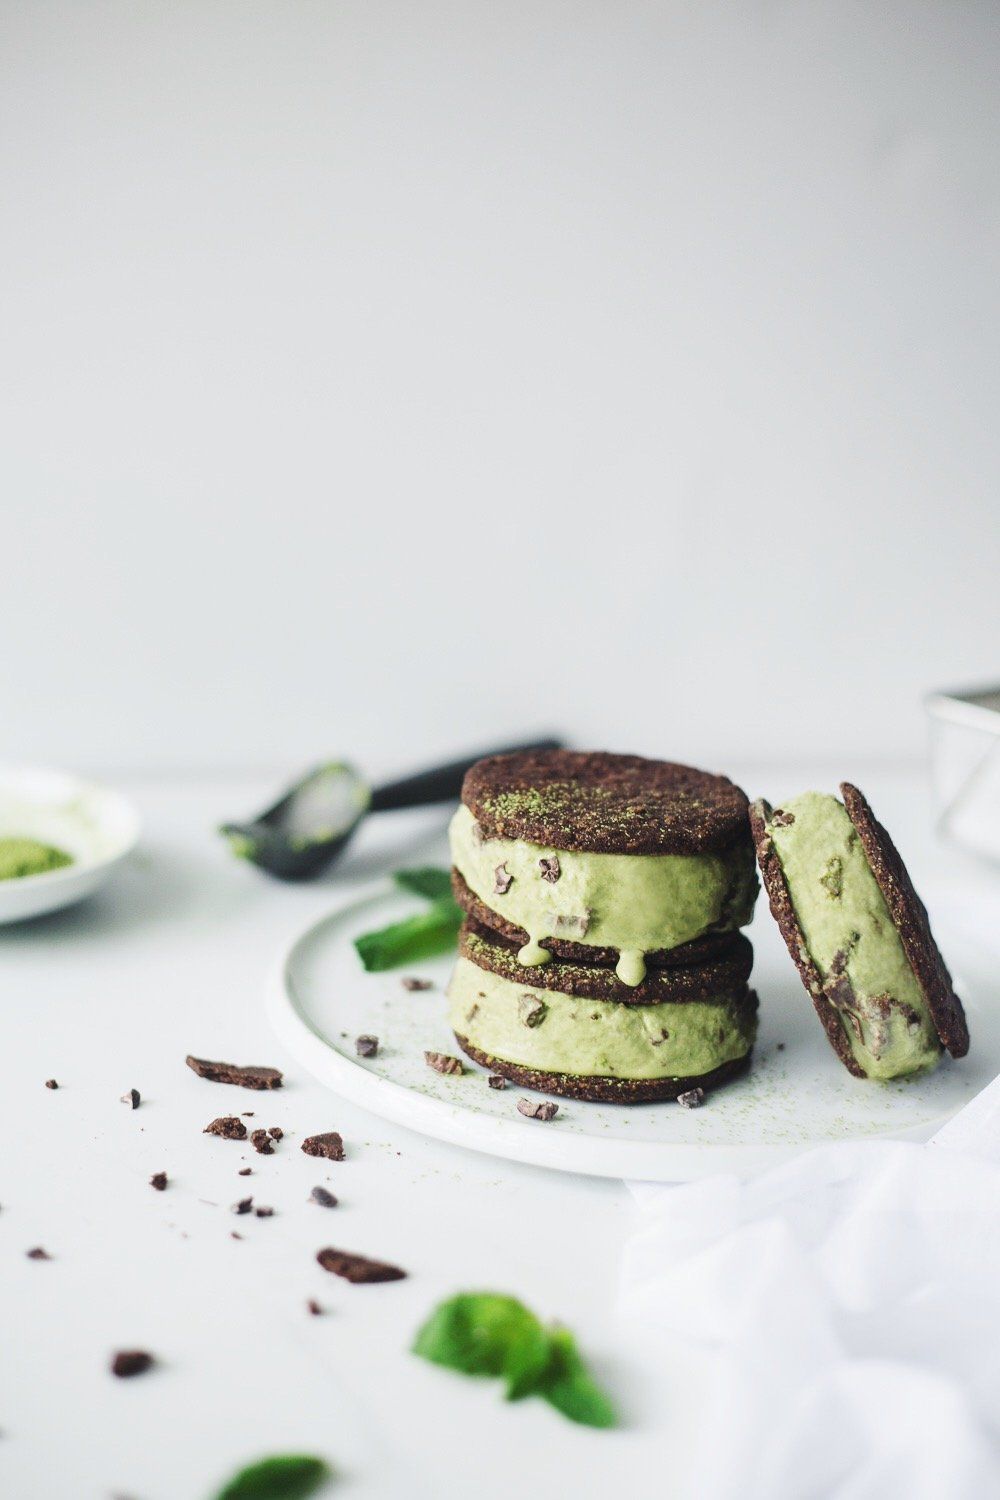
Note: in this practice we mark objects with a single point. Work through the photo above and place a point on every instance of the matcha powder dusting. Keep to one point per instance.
(19, 857)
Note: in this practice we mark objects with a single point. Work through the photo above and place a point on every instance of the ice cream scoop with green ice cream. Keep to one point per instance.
(851, 938)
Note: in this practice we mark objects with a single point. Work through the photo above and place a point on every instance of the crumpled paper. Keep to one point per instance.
(852, 1301)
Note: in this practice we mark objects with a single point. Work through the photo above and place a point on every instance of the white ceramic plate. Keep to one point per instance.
(794, 1098)
(93, 824)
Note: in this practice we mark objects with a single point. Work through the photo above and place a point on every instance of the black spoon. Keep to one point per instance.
(311, 824)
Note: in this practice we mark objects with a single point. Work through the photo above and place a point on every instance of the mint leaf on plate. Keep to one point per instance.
(424, 936)
(290, 1476)
(426, 881)
(485, 1333)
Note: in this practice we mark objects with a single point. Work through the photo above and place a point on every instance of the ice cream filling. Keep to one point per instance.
(633, 903)
(851, 938)
(558, 1033)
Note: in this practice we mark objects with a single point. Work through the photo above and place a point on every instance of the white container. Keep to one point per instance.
(97, 826)
(965, 764)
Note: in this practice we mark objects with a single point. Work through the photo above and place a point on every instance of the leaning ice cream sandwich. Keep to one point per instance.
(858, 933)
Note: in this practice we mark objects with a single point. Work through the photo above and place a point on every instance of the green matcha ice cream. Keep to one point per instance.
(851, 938)
(633, 903)
(554, 1032)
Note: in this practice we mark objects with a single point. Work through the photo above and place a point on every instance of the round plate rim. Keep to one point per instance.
(513, 1140)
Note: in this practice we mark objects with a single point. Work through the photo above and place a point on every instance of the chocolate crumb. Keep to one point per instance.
(131, 1098)
(330, 1145)
(244, 1077)
(228, 1126)
(38, 1254)
(442, 1062)
(264, 1212)
(314, 1307)
(158, 1181)
(531, 1011)
(692, 1098)
(129, 1362)
(409, 983)
(324, 1198)
(502, 881)
(276, 1133)
(248, 1114)
(549, 868)
(50, 1083)
(782, 819)
(243, 1207)
(537, 1111)
(366, 1046)
(496, 1081)
(262, 1142)
(358, 1269)
(234, 1235)
(244, 1171)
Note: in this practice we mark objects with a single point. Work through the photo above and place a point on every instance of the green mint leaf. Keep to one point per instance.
(567, 1384)
(423, 936)
(427, 881)
(483, 1333)
(290, 1476)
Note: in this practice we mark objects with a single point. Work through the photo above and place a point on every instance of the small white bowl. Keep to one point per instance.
(92, 823)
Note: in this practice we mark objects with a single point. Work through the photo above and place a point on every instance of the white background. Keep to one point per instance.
(386, 377)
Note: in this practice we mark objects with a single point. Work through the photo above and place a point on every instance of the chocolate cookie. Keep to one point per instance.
(716, 945)
(600, 803)
(604, 1090)
(909, 916)
(717, 977)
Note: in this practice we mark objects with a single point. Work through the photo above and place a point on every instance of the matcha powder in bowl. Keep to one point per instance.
(23, 856)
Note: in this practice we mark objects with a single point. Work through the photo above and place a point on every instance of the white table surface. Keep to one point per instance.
(173, 958)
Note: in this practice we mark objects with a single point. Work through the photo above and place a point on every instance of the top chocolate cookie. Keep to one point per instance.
(600, 803)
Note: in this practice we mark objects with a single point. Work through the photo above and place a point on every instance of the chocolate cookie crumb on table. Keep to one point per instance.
(131, 1098)
(128, 1362)
(329, 1145)
(230, 1127)
(158, 1181)
(358, 1269)
(250, 1077)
